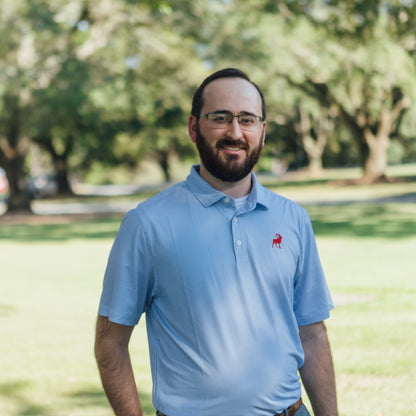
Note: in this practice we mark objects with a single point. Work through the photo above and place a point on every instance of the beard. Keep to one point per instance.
(229, 168)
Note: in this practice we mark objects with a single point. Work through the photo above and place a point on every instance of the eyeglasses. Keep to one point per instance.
(221, 120)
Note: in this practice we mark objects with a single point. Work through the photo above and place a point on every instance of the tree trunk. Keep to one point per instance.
(61, 168)
(60, 160)
(19, 199)
(314, 137)
(314, 150)
(13, 150)
(376, 163)
(371, 132)
(315, 163)
(163, 159)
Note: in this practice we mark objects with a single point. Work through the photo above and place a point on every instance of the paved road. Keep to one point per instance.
(53, 207)
(50, 208)
(63, 207)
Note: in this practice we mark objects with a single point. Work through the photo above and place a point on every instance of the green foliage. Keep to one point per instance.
(111, 83)
(368, 80)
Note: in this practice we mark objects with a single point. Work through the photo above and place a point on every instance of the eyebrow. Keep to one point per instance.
(241, 113)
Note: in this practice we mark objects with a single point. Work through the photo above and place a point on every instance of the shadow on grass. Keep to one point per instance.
(13, 393)
(7, 310)
(283, 182)
(78, 229)
(393, 217)
(390, 221)
(97, 398)
(16, 394)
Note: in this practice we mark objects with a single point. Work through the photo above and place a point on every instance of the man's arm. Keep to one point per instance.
(113, 359)
(318, 371)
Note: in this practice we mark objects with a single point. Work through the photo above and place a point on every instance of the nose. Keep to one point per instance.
(234, 129)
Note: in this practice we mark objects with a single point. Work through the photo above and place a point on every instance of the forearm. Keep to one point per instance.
(318, 372)
(117, 376)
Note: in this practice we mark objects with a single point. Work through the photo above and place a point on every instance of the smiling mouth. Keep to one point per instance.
(231, 146)
(233, 149)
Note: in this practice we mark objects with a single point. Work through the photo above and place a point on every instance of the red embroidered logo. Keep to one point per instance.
(277, 241)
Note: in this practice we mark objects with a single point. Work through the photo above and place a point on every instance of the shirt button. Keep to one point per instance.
(239, 242)
(235, 219)
(227, 200)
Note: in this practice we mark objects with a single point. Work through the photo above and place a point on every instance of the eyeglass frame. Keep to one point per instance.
(259, 118)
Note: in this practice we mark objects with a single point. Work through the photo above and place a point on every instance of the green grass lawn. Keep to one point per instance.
(51, 276)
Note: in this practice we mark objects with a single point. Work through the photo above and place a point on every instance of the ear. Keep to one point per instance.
(192, 122)
(263, 138)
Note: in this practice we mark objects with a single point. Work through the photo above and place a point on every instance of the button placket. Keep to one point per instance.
(238, 242)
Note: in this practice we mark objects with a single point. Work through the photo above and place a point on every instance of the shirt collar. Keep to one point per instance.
(208, 195)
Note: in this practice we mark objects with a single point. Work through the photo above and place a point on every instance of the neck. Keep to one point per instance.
(233, 189)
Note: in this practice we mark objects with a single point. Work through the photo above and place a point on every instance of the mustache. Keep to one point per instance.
(231, 143)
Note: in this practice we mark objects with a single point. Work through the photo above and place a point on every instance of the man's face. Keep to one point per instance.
(222, 160)
(229, 152)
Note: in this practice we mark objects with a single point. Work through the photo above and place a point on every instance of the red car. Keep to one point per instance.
(4, 184)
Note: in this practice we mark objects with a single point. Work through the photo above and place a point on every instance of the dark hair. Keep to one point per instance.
(197, 102)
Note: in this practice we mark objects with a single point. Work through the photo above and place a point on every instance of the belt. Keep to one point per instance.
(290, 411)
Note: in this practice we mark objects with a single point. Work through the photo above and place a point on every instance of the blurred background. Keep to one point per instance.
(94, 101)
(97, 91)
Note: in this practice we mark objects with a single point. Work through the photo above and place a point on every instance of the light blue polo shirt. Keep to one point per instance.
(223, 301)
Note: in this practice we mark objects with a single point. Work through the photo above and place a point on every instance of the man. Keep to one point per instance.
(229, 277)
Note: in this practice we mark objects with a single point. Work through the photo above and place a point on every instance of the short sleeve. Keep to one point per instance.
(312, 300)
(127, 287)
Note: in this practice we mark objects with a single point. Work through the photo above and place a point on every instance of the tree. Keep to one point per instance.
(30, 49)
(354, 58)
(367, 71)
(15, 76)
(160, 50)
(62, 117)
(13, 150)
(58, 68)
(314, 131)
